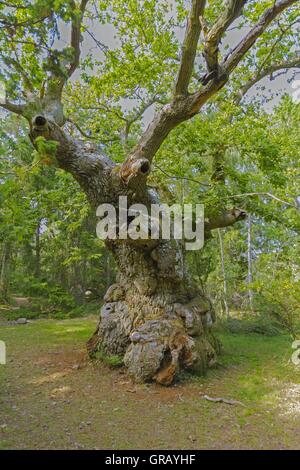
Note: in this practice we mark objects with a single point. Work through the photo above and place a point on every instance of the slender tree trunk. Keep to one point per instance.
(4, 270)
(249, 257)
(38, 250)
(225, 302)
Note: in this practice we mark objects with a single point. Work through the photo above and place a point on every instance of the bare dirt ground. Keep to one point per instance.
(52, 397)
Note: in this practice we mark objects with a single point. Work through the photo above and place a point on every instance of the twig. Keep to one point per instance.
(180, 177)
(223, 400)
(87, 136)
(264, 194)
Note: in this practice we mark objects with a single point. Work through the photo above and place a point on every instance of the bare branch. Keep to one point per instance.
(283, 31)
(137, 165)
(103, 48)
(169, 117)
(265, 194)
(247, 42)
(80, 130)
(293, 62)
(189, 47)
(12, 5)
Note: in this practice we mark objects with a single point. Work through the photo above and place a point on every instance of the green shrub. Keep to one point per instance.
(90, 308)
(258, 324)
(111, 360)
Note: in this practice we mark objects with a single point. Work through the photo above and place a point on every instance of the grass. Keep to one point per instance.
(9, 314)
(52, 397)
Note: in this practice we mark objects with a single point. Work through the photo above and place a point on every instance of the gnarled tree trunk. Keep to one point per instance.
(154, 317)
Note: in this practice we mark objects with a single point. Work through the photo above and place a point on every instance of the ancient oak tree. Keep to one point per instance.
(154, 317)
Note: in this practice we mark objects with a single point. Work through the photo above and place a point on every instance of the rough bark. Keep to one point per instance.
(154, 318)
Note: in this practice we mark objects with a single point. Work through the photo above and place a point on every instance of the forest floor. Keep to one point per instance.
(52, 397)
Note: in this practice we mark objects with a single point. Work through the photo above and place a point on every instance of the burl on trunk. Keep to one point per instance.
(154, 317)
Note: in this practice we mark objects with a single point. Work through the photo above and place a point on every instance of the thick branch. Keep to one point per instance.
(132, 118)
(247, 42)
(4, 23)
(60, 72)
(232, 9)
(71, 156)
(137, 166)
(189, 47)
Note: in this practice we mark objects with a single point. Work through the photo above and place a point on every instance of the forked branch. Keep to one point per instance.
(69, 155)
(231, 11)
(184, 106)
